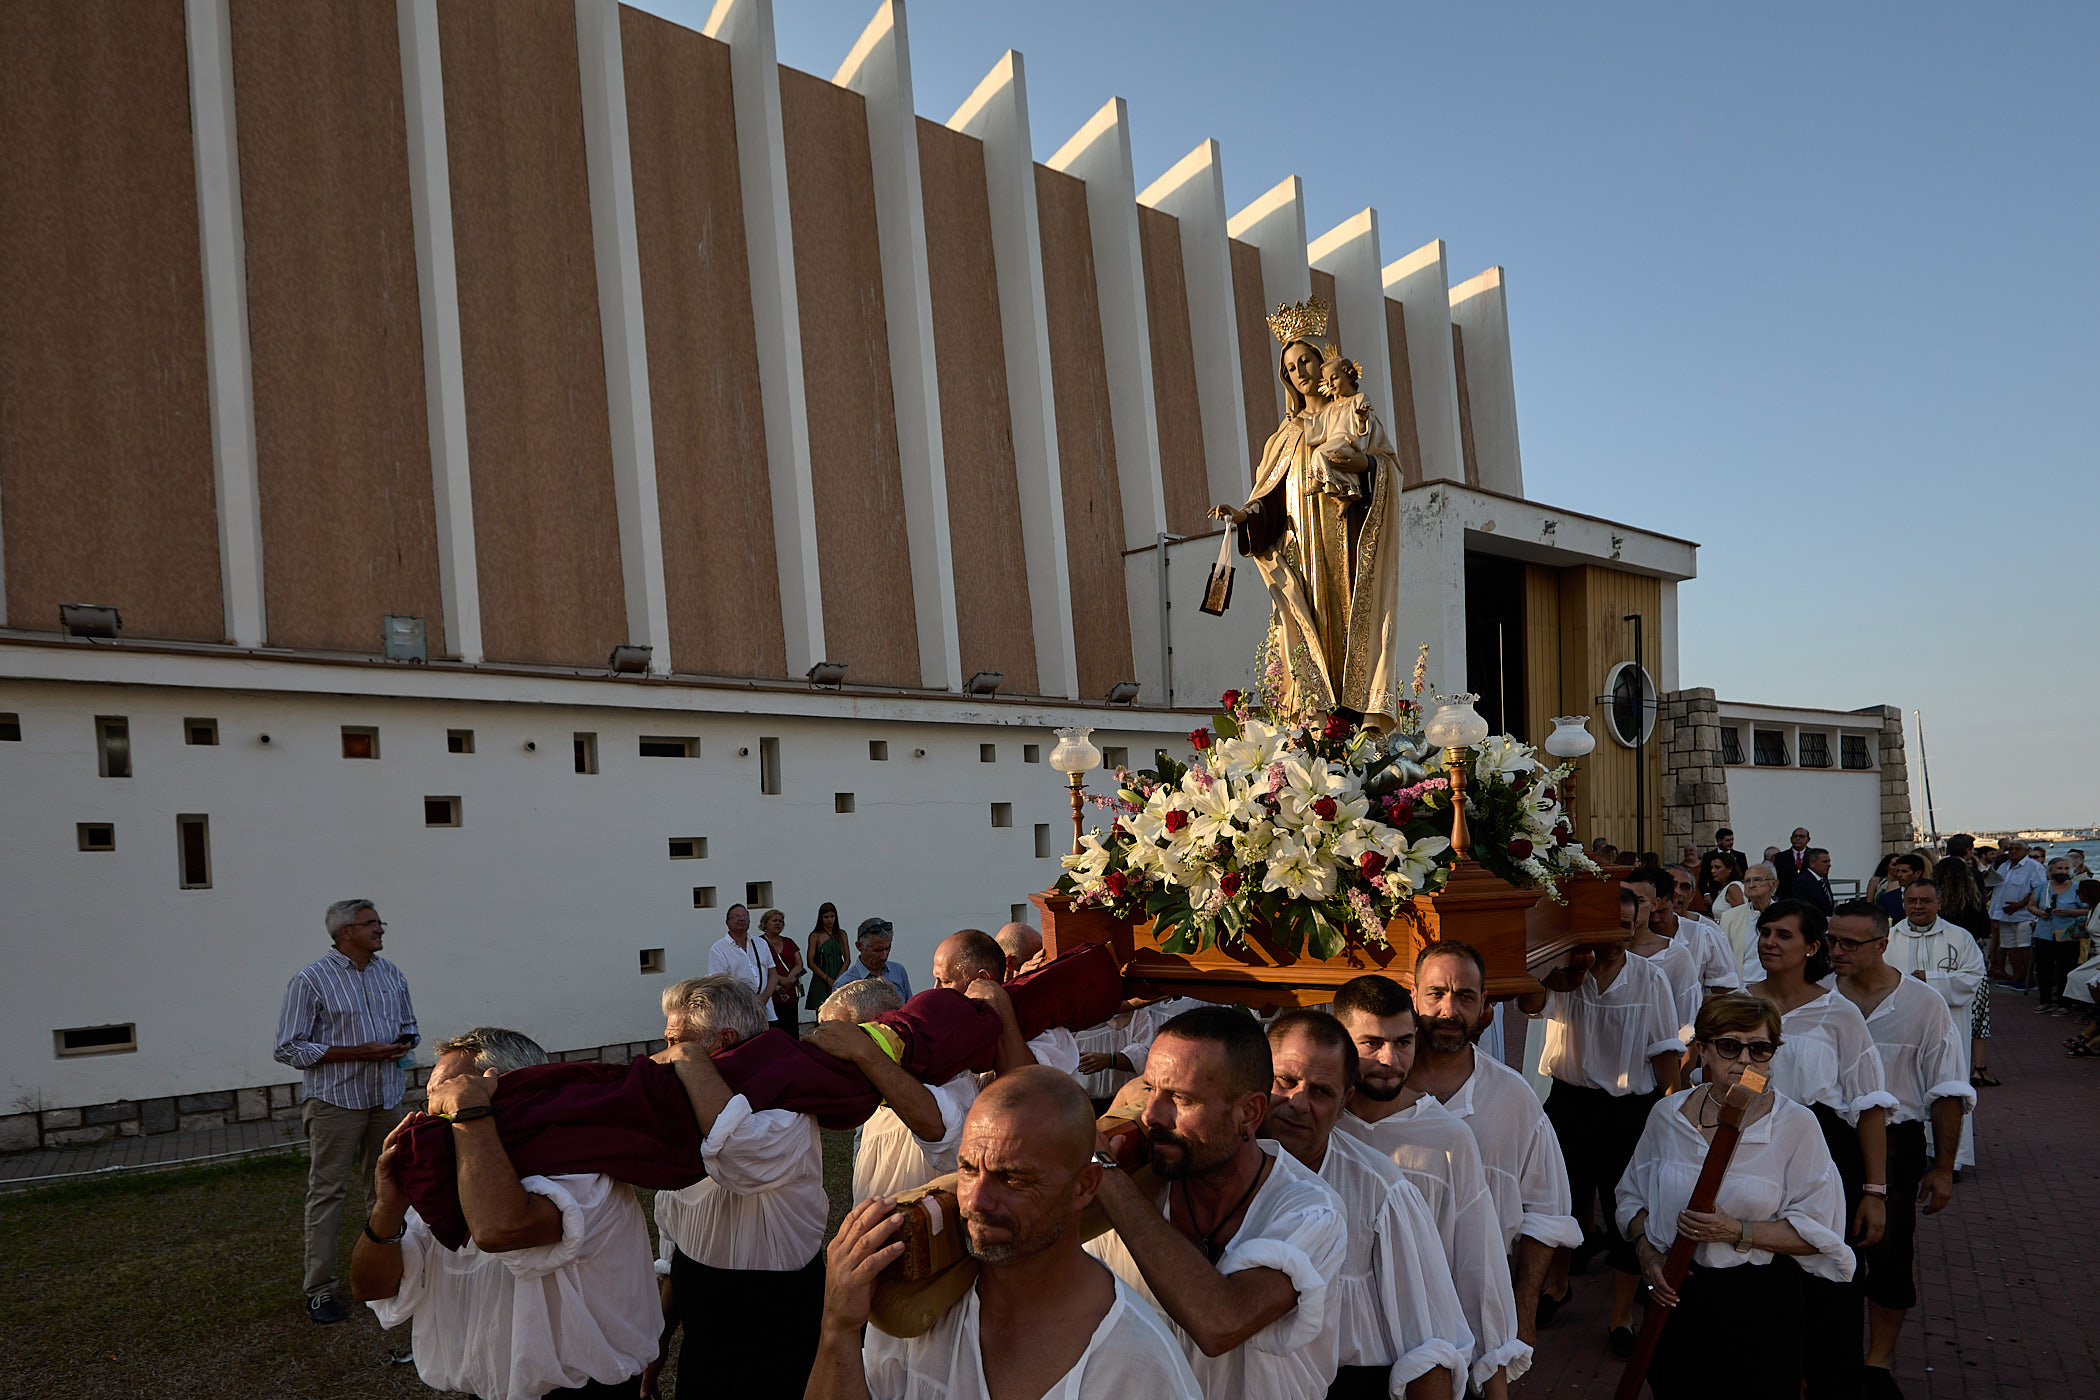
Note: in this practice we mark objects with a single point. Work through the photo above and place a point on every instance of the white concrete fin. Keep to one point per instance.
(879, 69)
(437, 290)
(1193, 191)
(996, 114)
(1480, 309)
(1420, 282)
(761, 151)
(1349, 253)
(613, 241)
(1099, 154)
(1275, 224)
(225, 268)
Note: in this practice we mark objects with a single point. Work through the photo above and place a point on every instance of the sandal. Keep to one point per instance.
(1982, 1079)
(2083, 1051)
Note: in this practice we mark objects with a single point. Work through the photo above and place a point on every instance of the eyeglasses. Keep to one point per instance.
(1729, 1048)
(1853, 945)
(368, 923)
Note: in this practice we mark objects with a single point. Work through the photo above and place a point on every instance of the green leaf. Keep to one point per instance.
(1326, 940)
(1225, 726)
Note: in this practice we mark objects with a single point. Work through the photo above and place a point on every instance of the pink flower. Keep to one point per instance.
(1520, 849)
(1370, 864)
(1200, 737)
(1325, 809)
(1176, 820)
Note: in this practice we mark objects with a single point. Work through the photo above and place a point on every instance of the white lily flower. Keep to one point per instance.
(1091, 859)
(1502, 754)
(1298, 871)
(1414, 864)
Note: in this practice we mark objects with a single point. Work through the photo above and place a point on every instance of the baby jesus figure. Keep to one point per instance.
(1340, 437)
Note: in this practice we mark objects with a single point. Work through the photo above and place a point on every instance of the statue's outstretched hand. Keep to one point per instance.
(1231, 513)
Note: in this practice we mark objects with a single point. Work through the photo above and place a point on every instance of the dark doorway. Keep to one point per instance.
(1495, 640)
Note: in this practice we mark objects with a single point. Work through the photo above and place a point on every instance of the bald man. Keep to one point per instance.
(1043, 1317)
(1022, 946)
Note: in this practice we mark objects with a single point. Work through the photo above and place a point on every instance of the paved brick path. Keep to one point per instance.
(2004, 1273)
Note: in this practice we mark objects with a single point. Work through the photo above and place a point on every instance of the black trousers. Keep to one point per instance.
(1360, 1383)
(1705, 1354)
(1598, 1132)
(749, 1333)
(1834, 1353)
(1891, 1264)
(2053, 961)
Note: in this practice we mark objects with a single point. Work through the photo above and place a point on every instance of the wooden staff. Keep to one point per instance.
(1734, 1104)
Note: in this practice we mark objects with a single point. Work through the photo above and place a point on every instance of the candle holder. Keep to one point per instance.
(1456, 727)
(1075, 756)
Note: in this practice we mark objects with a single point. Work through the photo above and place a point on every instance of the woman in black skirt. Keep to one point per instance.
(1738, 1318)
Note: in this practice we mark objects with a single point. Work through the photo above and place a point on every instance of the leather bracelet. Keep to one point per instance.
(394, 1238)
(1873, 1190)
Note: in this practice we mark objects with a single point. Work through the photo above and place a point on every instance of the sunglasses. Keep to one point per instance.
(1729, 1048)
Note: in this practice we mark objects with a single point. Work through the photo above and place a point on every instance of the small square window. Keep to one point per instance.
(10, 728)
(97, 836)
(1017, 913)
(1002, 814)
(987, 753)
(193, 845)
(1769, 748)
(1043, 844)
(360, 741)
(666, 746)
(688, 848)
(652, 961)
(95, 1040)
(842, 802)
(113, 746)
(203, 732)
(878, 751)
(769, 766)
(758, 894)
(1031, 753)
(586, 753)
(1113, 758)
(441, 811)
(459, 741)
(703, 896)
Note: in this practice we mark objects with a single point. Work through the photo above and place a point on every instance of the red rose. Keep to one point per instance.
(1370, 864)
(1324, 809)
(1115, 883)
(1398, 810)
(1562, 834)
(1231, 699)
(1520, 849)
(1547, 793)
(1337, 728)
(1176, 820)
(1200, 738)
(1229, 882)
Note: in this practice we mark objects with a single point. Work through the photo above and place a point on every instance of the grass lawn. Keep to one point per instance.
(186, 1283)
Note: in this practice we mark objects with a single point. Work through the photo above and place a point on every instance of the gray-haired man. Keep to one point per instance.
(346, 1026)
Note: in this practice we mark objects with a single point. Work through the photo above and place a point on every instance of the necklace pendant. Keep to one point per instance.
(1210, 1251)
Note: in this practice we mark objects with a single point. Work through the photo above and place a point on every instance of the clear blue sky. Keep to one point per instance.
(1813, 285)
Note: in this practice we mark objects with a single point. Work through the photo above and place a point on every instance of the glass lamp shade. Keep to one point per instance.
(1456, 724)
(1571, 737)
(1075, 752)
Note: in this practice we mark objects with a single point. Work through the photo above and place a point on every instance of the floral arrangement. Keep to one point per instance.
(1313, 828)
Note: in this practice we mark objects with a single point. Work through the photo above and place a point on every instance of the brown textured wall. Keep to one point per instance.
(1323, 288)
(861, 538)
(993, 623)
(1182, 467)
(1465, 408)
(715, 498)
(545, 527)
(1086, 447)
(1257, 350)
(105, 426)
(1407, 434)
(342, 438)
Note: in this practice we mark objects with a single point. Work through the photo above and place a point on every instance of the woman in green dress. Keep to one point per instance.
(827, 953)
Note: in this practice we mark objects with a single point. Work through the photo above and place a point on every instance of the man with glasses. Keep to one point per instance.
(1790, 862)
(1924, 1065)
(347, 1026)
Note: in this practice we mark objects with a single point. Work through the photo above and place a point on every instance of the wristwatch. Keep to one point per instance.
(469, 1113)
(1106, 1161)
(1744, 1244)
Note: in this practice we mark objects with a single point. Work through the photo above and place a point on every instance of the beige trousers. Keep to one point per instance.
(338, 1140)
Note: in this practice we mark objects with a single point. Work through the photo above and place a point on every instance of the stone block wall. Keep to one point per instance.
(1896, 831)
(190, 1113)
(1694, 780)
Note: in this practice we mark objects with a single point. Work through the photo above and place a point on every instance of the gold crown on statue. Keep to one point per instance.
(1298, 320)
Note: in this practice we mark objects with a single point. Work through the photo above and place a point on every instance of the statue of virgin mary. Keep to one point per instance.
(1330, 559)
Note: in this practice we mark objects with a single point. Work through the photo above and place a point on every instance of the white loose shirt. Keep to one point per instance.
(749, 963)
(1923, 1056)
(1145, 1024)
(1679, 965)
(1108, 1039)
(1739, 924)
(762, 1203)
(516, 1325)
(892, 1158)
(1133, 1353)
(1058, 1048)
(1293, 1225)
(1948, 956)
(1526, 1174)
(1393, 1303)
(1827, 1057)
(1718, 967)
(1605, 1039)
(1781, 1170)
(1436, 1152)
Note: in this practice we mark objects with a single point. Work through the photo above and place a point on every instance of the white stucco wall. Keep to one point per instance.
(1841, 809)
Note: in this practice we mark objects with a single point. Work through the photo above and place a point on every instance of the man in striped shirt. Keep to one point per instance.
(347, 1026)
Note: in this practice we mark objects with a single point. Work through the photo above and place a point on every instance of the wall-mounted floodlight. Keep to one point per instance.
(983, 683)
(629, 659)
(1123, 693)
(831, 673)
(89, 620)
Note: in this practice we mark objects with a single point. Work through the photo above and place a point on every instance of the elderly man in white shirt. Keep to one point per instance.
(1438, 1156)
(1243, 1243)
(1945, 957)
(1739, 921)
(1402, 1330)
(2020, 882)
(1042, 1318)
(740, 954)
(553, 1295)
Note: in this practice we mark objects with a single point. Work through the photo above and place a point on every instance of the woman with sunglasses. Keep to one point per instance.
(1781, 1197)
(1830, 1066)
